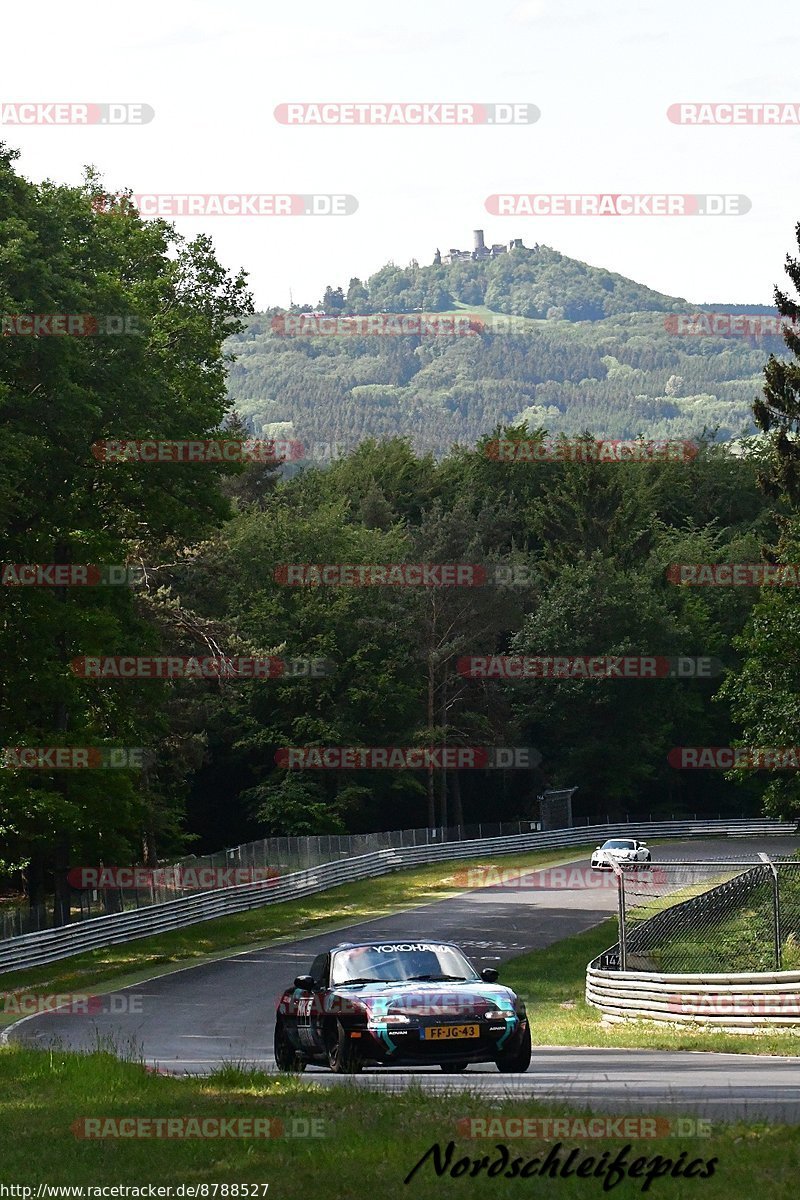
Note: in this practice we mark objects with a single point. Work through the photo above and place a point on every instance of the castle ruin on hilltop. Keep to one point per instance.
(479, 250)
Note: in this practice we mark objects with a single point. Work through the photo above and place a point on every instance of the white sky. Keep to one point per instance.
(603, 76)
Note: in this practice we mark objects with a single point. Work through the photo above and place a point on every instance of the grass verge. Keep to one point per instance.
(372, 1141)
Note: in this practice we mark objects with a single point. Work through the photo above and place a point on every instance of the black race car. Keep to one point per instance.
(396, 1003)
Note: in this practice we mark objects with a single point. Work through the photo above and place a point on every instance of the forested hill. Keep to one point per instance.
(588, 349)
(536, 282)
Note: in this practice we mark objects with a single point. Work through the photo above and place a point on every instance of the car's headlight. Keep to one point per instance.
(498, 1014)
(389, 1019)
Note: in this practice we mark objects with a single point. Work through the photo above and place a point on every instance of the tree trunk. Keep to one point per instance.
(112, 900)
(445, 817)
(458, 812)
(34, 879)
(62, 898)
(149, 852)
(443, 802)
(431, 792)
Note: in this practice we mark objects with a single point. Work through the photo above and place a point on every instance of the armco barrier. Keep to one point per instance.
(742, 1003)
(34, 949)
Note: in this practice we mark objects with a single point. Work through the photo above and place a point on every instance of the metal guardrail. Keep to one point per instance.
(35, 949)
(742, 1002)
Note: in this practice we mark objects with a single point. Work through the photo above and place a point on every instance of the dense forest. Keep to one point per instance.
(575, 556)
(586, 349)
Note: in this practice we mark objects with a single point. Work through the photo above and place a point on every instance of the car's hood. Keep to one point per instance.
(436, 999)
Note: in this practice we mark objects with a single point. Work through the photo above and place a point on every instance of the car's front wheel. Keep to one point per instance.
(286, 1057)
(343, 1056)
(520, 1059)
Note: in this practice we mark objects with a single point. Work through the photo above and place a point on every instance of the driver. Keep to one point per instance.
(421, 962)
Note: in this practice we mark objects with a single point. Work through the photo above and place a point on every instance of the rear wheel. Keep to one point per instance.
(519, 1060)
(451, 1068)
(286, 1057)
(343, 1056)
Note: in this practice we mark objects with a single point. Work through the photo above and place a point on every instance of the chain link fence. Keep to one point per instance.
(715, 916)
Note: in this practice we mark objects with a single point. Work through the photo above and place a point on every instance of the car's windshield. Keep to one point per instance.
(618, 845)
(400, 961)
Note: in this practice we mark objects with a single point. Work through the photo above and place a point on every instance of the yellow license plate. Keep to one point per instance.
(436, 1033)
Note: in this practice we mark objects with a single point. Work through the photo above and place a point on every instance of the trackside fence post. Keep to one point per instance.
(776, 908)
(623, 954)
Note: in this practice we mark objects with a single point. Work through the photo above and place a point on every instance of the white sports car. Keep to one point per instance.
(624, 850)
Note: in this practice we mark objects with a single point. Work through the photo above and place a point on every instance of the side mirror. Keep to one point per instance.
(305, 983)
(489, 975)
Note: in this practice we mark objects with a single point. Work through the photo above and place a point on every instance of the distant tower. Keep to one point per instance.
(437, 258)
(477, 235)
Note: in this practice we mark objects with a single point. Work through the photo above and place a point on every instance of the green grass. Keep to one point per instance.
(372, 1140)
(552, 982)
(742, 939)
(118, 966)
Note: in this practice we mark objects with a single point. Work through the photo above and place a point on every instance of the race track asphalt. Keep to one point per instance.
(195, 1019)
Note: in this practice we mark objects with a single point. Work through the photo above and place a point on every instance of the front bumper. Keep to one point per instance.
(391, 1045)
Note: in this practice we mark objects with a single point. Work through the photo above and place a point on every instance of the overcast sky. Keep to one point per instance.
(603, 76)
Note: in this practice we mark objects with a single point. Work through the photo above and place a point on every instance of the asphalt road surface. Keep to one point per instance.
(198, 1018)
